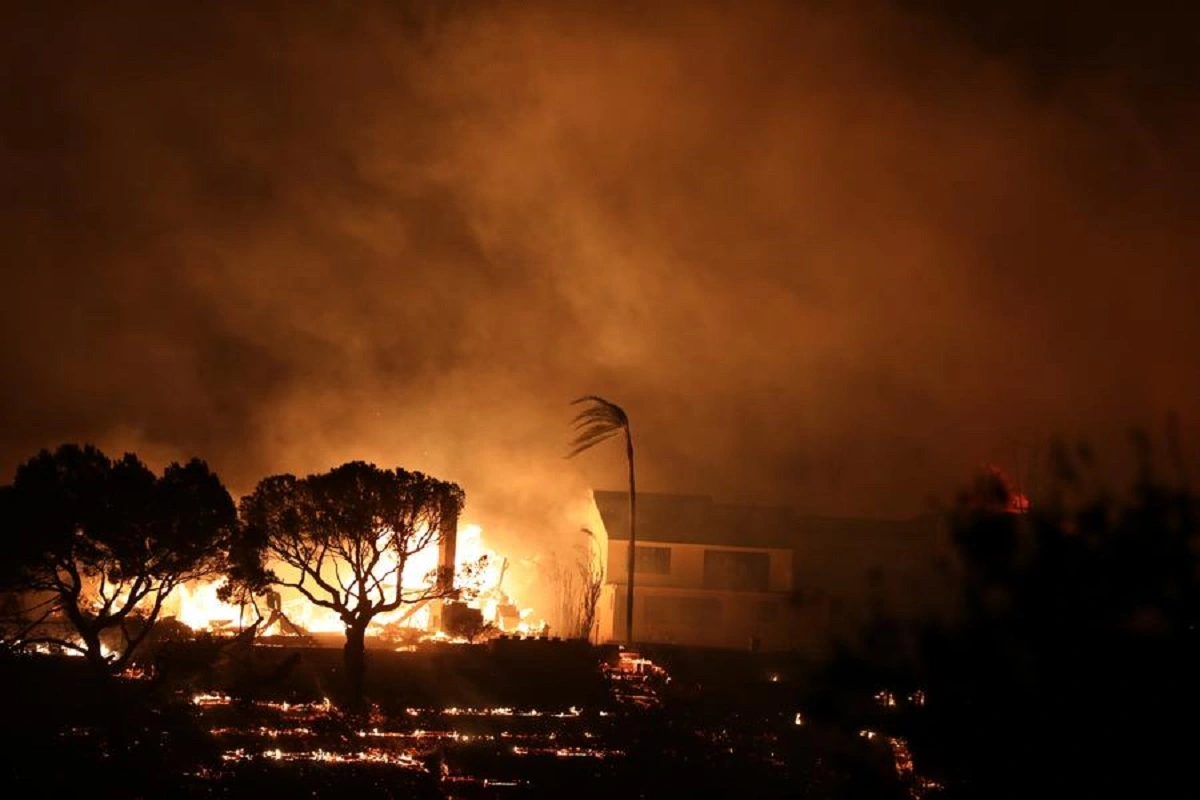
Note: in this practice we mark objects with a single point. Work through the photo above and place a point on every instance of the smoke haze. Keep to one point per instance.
(834, 255)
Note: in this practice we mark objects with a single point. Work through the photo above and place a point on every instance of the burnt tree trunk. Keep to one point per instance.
(354, 657)
(89, 634)
(95, 654)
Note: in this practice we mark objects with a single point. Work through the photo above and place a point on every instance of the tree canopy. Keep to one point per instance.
(96, 546)
(348, 535)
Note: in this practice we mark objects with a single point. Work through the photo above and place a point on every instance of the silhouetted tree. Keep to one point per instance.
(96, 546)
(247, 575)
(349, 533)
(566, 583)
(578, 586)
(590, 565)
(599, 421)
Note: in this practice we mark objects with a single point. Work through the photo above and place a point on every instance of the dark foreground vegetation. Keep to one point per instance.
(1070, 668)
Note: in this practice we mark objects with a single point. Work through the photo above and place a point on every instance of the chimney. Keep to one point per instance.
(447, 549)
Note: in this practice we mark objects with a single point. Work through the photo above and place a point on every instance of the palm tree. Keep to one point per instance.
(600, 420)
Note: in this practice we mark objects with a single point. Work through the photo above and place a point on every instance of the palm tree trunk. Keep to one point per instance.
(632, 538)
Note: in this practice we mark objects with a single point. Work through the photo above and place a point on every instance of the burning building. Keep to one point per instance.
(467, 599)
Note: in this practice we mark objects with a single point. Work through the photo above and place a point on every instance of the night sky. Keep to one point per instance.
(830, 254)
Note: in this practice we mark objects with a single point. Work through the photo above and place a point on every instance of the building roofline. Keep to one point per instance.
(697, 519)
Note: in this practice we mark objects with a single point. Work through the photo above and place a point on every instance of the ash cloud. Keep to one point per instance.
(835, 258)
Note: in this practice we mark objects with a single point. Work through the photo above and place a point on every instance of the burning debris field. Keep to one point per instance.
(452, 586)
(511, 718)
(462, 751)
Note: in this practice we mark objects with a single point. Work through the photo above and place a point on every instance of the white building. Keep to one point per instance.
(748, 577)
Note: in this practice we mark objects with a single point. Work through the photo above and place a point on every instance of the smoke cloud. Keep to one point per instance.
(833, 257)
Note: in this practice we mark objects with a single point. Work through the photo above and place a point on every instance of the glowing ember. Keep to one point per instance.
(329, 757)
(207, 699)
(566, 752)
(902, 760)
(270, 733)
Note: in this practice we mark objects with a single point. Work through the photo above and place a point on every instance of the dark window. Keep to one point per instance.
(652, 560)
(739, 570)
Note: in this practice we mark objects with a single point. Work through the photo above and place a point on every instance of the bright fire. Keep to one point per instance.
(197, 606)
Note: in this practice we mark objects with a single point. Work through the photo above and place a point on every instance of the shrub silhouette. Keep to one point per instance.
(1072, 665)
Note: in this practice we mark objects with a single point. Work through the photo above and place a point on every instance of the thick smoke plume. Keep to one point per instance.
(835, 257)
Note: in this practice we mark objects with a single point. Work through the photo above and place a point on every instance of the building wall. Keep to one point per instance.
(680, 605)
(738, 620)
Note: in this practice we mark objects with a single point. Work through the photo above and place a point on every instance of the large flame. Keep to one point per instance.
(197, 605)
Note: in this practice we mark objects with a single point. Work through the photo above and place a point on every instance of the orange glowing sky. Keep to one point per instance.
(829, 257)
